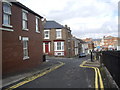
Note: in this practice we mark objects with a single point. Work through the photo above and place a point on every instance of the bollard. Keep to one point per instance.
(91, 56)
(44, 58)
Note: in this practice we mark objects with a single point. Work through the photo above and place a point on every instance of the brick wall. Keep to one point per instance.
(0, 44)
(13, 47)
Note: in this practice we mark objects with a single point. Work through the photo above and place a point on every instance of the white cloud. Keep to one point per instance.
(98, 17)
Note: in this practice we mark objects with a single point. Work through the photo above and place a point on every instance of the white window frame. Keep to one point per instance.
(43, 47)
(49, 46)
(47, 34)
(8, 14)
(37, 25)
(58, 33)
(25, 20)
(25, 39)
(61, 46)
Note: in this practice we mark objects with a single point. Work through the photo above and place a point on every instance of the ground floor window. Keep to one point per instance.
(25, 48)
(59, 48)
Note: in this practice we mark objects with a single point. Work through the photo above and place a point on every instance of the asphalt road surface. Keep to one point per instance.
(71, 75)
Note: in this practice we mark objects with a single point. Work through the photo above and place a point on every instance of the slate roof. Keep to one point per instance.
(52, 25)
(96, 39)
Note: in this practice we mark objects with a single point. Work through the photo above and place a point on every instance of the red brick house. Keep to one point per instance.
(21, 30)
(109, 43)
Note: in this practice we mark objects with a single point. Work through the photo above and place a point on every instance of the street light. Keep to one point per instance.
(92, 51)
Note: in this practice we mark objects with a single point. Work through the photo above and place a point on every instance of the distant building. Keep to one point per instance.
(89, 43)
(118, 47)
(85, 48)
(97, 44)
(76, 46)
(110, 43)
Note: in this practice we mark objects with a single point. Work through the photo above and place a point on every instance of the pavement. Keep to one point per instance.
(15, 77)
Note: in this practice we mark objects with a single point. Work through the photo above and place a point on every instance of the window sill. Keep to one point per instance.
(58, 50)
(58, 37)
(6, 29)
(25, 29)
(46, 38)
(26, 58)
(9, 26)
(37, 31)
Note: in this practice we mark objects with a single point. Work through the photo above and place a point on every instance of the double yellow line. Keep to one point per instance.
(29, 79)
(97, 75)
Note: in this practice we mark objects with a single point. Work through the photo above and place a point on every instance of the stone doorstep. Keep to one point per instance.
(92, 64)
(10, 80)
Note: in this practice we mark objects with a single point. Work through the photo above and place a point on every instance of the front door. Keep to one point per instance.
(46, 47)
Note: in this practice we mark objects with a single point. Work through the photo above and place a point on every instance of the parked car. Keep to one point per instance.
(82, 55)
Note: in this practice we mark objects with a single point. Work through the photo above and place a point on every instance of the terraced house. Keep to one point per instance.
(21, 30)
(57, 39)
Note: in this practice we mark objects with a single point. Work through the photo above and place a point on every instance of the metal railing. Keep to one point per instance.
(111, 59)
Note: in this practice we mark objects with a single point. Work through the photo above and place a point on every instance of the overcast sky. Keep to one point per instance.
(86, 18)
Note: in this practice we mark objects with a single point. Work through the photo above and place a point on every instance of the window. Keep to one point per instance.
(37, 24)
(6, 14)
(58, 33)
(59, 46)
(46, 34)
(25, 48)
(25, 20)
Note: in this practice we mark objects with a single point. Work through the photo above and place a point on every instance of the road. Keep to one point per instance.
(71, 75)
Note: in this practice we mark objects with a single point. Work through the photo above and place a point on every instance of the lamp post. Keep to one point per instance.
(91, 56)
(92, 46)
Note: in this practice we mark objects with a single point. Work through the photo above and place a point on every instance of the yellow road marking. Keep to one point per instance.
(101, 82)
(97, 75)
(29, 79)
(96, 79)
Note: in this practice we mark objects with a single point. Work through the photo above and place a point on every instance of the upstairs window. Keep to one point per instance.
(6, 13)
(37, 24)
(46, 34)
(58, 33)
(25, 20)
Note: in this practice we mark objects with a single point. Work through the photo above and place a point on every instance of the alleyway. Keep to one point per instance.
(68, 76)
